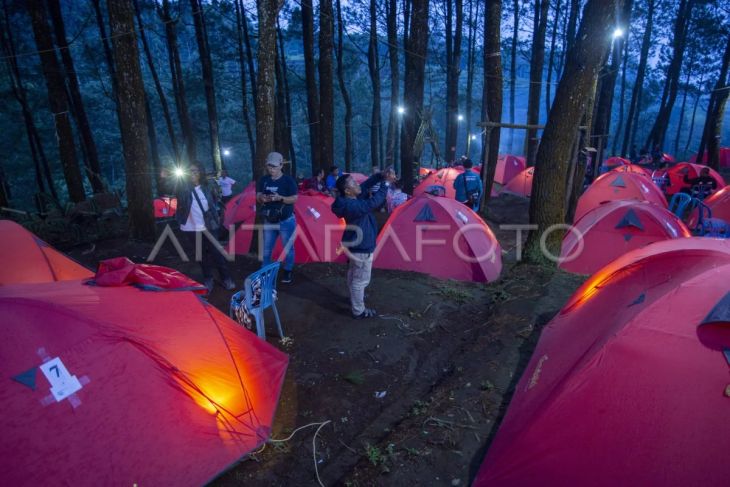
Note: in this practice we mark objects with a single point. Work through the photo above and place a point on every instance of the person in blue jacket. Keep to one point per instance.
(468, 186)
(355, 204)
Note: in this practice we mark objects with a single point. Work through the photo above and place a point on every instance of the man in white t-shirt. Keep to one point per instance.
(226, 184)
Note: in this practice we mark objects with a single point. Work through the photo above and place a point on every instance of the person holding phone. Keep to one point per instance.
(277, 193)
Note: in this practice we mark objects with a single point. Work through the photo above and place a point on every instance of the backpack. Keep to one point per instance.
(472, 197)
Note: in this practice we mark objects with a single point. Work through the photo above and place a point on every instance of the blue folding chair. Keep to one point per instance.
(257, 295)
(680, 204)
(707, 226)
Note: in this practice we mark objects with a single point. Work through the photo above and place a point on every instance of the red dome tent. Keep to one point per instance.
(28, 259)
(508, 167)
(719, 203)
(724, 157)
(440, 237)
(618, 186)
(359, 177)
(614, 162)
(165, 206)
(627, 385)
(520, 185)
(677, 173)
(241, 211)
(613, 229)
(631, 168)
(443, 177)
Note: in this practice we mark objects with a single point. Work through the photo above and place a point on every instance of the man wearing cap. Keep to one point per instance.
(355, 204)
(277, 193)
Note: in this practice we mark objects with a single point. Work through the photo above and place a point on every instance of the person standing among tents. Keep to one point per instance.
(355, 204)
(226, 184)
(200, 221)
(331, 180)
(468, 186)
(277, 192)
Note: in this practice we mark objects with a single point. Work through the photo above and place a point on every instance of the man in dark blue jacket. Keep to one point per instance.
(355, 204)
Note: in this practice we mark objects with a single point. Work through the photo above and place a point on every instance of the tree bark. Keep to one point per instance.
(268, 11)
(178, 84)
(680, 122)
(156, 81)
(345, 94)
(492, 94)
(132, 120)
(326, 92)
(287, 100)
(240, 20)
(281, 139)
(513, 71)
(311, 82)
(572, 24)
(93, 169)
(547, 205)
(57, 100)
(415, 64)
(470, 68)
(537, 61)
(553, 37)
(154, 149)
(715, 113)
(374, 70)
(392, 134)
(694, 114)
(632, 118)
(453, 71)
(622, 98)
(249, 54)
(201, 37)
(671, 85)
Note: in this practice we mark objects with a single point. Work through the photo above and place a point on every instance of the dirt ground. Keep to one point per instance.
(413, 397)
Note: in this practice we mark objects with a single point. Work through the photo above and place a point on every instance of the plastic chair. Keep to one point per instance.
(679, 204)
(701, 191)
(661, 179)
(266, 279)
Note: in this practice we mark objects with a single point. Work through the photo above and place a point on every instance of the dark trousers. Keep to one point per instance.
(210, 256)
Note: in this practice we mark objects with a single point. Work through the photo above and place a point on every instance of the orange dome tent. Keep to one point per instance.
(443, 177)
(165, 206)
(440, 237)
(618, 186)
(676, 176)
(241, 212)
(613, 229)
(28, 259)
(508, 167)
(520, 185)
(631, 168)
(628, 383)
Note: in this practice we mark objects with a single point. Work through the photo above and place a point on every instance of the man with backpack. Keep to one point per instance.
(468, 186)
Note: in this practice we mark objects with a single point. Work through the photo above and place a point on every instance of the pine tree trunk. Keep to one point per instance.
(492, 94)
(132, 120)
(415, 65)
(630, 131)
(326, 94)
(547, 205)
(694, 115)
(178, 84)
(453, 70)
(715, 113)
(268, 11)
(470, 68)
(240, 21)
(57, 100)
(311, 81)
(281, 139)
(156, 80)
(513, 72)
(391, 138)
(680, 122)
(201, 37)
(537, 61)
(572, 24)
(154, 149)
(671, 85)
(374, 70)
(345, 94)
(287, 101)
(553, 37)
(622, 98)
(93, 169)
(579, 158)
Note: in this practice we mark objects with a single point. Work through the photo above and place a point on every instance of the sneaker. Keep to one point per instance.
(287, 277)
(229, 284)
(209, 284)
(368, 313)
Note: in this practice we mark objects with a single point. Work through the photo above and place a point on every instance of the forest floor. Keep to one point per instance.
(414, 397)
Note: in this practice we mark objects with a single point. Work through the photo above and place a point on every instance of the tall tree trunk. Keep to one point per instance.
(311, 82)
(470, 68)
(671, 85)
(579, 159)
(345, 94)
(622, 98)
(537, 61)
(415, 65)
(132, 120)
(281, 139)
(680, 122)
(201, 37)
(240, 20)
(156, 80)
(326, 95)
(513, 72)
(715, 113)
(492, 94)
(40, 162)
(57, 100)
(694, 114)
(572, 24)
(564, 46)
(374, 70)
(178, 85)
(154, 150)
(553, 37)
(287, 100)
(268, 11)
(393, 120)
(93, 169)
(453, 70)
(630, 130)
(547, 205)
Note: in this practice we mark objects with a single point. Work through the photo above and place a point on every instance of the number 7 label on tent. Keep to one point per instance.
(63, 384)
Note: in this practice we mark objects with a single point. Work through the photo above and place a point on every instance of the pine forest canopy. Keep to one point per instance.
(338, 83)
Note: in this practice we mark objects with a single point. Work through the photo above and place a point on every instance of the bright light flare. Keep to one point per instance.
(619, 32)
(179, 172)
(473, 137)
(460, 117)
(226, 152)
(401, 110)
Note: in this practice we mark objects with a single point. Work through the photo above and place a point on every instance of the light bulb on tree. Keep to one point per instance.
(226, 152)
(460, 117)
(473, 137)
